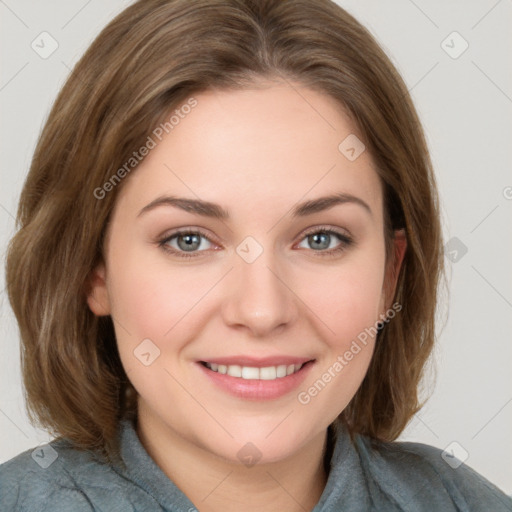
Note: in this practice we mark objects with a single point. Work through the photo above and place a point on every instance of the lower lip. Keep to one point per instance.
(256, 389)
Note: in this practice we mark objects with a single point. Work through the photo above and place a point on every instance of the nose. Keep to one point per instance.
(258, 297)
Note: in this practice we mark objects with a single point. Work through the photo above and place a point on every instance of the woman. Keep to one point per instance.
(222, 276)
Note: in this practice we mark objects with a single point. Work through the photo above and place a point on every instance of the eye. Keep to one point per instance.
(187, 243)
(320, 240)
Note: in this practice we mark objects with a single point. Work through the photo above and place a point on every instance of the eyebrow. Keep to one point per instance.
(213, 210)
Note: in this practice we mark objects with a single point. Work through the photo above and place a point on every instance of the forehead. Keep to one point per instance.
(272, 144)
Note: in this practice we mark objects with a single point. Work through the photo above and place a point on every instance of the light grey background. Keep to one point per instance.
(465, 105)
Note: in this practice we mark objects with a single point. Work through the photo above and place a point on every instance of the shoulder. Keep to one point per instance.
(422, 472)
(58, 477)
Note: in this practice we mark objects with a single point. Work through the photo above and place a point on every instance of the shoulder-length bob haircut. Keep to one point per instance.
(149, 60)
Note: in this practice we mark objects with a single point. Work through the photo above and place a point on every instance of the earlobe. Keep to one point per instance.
(97, 293)
(394, 265)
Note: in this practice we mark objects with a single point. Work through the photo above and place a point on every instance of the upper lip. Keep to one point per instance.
(257, 362)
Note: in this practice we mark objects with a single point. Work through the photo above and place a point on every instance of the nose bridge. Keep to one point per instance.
(259, 298)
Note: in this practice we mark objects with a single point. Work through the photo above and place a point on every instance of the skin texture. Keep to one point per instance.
(256, 152)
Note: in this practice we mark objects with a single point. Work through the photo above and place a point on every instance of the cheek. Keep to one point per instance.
(348, 304)
(153, 300)
(148, 294)
(347, 299)
(156, 315)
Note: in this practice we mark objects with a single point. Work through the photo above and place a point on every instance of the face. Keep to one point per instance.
(274, 293)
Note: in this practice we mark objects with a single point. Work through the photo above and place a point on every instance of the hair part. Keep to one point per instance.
(147, 61)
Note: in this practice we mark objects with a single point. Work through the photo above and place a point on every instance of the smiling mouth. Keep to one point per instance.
(255, 373)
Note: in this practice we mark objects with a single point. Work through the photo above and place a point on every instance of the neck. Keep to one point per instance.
(213, 483)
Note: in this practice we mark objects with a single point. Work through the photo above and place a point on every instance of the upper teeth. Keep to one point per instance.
(249, 372)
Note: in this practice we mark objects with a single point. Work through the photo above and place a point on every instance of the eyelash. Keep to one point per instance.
(345, 240)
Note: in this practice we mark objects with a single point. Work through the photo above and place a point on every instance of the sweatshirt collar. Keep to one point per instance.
(144, 471)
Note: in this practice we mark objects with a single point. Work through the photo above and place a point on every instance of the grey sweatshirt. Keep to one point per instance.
(364, 476)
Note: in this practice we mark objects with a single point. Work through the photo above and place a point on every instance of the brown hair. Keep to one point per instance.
(148, 60)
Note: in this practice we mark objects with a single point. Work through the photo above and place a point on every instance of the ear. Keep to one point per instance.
(97, 293)
(393, 266)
